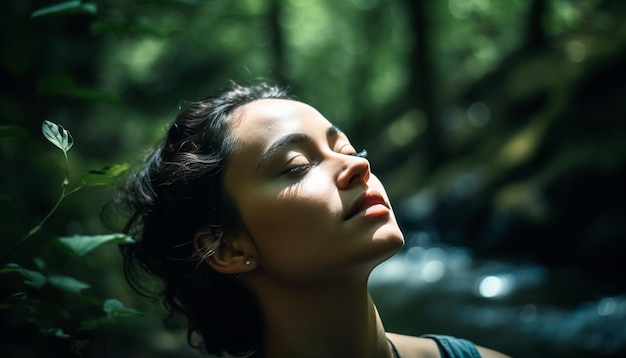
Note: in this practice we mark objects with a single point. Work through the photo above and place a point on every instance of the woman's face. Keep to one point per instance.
(311, 207)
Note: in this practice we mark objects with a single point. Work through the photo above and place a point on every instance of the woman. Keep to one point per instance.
(263, 224)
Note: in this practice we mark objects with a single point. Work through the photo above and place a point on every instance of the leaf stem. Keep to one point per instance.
(66, 181)
(63, 140)
(37, 228)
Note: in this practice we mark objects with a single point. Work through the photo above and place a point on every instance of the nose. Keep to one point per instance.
(355, 170)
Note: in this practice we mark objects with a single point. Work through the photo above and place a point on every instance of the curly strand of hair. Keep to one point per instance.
(178, 192)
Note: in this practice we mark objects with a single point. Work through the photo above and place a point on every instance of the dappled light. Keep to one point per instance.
(497, 127)
(495, 286)
(407, 128)
(521, 146)
(415, 289)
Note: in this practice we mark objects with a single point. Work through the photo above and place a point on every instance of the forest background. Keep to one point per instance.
(498, 128)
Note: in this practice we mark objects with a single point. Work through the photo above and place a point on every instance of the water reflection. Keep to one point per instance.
(495, 286)
(523, 309)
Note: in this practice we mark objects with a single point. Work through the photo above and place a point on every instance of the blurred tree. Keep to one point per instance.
(525, 173)
(501, 122)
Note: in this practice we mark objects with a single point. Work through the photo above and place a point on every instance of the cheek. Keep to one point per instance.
(293, 212)
(286, 216)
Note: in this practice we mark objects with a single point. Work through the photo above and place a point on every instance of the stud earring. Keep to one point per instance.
(248, 262)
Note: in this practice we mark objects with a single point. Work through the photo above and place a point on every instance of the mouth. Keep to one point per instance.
(370, 203)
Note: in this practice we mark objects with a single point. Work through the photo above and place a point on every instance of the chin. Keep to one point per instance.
(389, 240)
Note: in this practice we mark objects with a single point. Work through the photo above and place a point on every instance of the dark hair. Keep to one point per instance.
(179, 191)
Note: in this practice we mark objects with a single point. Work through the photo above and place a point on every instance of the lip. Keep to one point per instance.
(365, 201)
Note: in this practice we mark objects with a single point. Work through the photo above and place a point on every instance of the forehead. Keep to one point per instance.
(256, 125)
(261, 122)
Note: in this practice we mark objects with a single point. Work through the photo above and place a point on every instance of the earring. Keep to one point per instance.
(248, 262)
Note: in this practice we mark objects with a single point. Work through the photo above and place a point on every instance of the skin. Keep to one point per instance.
(295, 180)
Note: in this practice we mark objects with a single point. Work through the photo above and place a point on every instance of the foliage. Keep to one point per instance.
(494, 125)
(69, 7)
(44, 298)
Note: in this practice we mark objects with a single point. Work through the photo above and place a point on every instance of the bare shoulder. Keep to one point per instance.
(489, 353)
(418, 347)
(414, 347)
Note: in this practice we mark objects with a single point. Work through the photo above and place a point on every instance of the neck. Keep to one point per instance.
(329, 321)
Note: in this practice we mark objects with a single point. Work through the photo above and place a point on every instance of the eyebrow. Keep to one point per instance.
(293, 138)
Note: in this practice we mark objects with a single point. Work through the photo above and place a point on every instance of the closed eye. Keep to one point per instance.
(349, 150)
(299, 169)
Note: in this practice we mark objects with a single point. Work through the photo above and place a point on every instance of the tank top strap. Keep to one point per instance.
(451, 347)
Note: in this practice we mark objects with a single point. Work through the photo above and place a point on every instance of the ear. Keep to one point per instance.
(233, 255)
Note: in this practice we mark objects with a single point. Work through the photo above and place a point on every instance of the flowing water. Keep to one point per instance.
(523, 309)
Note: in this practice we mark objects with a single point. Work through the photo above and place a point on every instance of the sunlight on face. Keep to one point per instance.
(309, 203)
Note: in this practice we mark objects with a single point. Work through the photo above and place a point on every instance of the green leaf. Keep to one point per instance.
(95, 323)
(81, 244)
(57, 135)
(55, 332)
(67, 283)
(32, 278)
(130, 26)
(12, 132)
(39, 280)
(40, 263)
(145, 26)
(115, 308)
(68, 7)
(18, 299)
(104, 176)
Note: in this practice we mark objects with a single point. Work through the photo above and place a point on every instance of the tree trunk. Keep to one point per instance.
(277, 43)
(421, 82)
